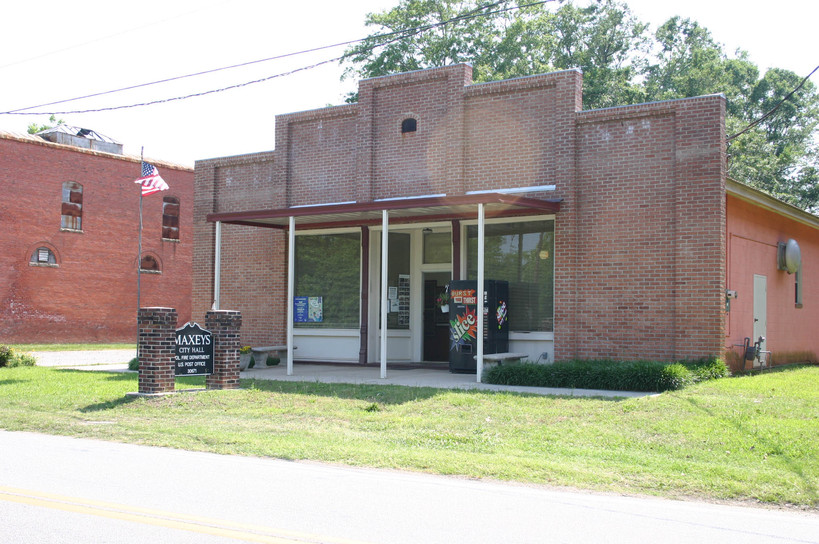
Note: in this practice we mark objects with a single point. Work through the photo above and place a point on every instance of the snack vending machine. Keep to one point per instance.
(463, 324)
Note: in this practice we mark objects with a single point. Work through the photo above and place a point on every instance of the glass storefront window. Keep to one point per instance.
(522, 254)
(398, 281)
(437, 247)
(329, 266)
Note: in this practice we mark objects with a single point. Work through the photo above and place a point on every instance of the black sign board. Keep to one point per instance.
(194, 351)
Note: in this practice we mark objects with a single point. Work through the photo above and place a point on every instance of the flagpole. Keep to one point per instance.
(139, 255)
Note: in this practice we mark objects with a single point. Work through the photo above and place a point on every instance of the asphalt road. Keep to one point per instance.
(66, 490)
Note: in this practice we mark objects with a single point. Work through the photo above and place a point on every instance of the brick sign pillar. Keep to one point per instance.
(157, 348)
(225, 325)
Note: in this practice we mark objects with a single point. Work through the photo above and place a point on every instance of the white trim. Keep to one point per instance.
(394, 198)
(385, 226)
(324, 204)
(479, 317)
(535, 189)
(291, 267)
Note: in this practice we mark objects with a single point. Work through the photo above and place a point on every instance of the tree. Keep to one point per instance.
(622, 64)
(34, 128)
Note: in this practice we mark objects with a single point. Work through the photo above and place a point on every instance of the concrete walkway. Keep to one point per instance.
(117, 361)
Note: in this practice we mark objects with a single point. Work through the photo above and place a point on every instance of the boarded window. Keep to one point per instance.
(149, 264)
(170, 218)
(409, 125)
(43, 255)
(71, 211)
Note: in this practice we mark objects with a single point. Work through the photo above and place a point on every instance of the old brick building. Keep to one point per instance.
(69, 242)
(611, 226)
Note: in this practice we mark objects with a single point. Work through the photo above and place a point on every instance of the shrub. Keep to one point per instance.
(11, 358)
(272, 361)
(708, 369)
(5, 355)
(673, 377)
(609, 375)
(133, 364)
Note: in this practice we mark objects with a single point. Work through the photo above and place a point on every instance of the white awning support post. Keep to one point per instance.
(480, 292)
(291, 266)
(385, 235)
(217, 267)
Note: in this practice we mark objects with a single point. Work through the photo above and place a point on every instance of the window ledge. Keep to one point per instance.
(173, 240)
(44, 265)
(78, 231)
(143, 271)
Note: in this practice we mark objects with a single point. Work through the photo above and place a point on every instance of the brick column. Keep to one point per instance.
(157, 347)
(225, 325)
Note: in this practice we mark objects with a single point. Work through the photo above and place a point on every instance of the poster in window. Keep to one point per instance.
(308, 309)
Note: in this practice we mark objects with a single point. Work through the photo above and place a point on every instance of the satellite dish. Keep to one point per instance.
(789, 256)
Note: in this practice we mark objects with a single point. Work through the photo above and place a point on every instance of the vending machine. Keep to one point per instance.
(463, 322)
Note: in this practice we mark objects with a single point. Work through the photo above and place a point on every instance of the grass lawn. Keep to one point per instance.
(751, 438)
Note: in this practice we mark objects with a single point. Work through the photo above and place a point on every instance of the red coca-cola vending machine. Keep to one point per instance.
(463, 322)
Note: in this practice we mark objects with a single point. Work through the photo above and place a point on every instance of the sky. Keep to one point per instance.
(55, 50)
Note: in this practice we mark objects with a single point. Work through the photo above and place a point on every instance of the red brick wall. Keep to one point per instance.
(92, 295)
(639, 239)
(254, 260)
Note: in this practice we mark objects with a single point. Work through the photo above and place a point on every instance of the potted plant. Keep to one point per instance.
(244, 357)
(443, 300)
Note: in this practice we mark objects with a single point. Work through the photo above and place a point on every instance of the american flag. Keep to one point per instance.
(151, 181)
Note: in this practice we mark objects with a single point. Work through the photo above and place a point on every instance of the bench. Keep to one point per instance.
(501, 358)
(261, 353)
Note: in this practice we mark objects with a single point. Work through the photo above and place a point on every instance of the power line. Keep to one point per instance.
(106, 37)
(396, 35)
(772, 110)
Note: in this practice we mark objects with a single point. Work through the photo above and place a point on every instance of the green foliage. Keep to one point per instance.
(609, 375)
(133, 364)
(272, 361)
(245, 349)
(11, 358)
(5, 354)
(622, 62)
(34, 128)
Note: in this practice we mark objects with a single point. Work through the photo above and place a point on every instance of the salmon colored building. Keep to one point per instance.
(616, 230)
(70, 239)
(771, 301)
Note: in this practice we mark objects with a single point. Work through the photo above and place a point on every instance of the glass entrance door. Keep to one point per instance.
(436, 322)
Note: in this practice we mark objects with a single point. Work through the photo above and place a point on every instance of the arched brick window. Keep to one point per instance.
(149, 263)
(409, 125)
(43, 256)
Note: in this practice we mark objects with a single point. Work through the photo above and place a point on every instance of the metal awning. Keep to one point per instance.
(478, 206)
(401, 210)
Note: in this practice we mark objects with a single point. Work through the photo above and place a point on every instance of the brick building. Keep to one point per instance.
(69, 242)
(615, 227)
